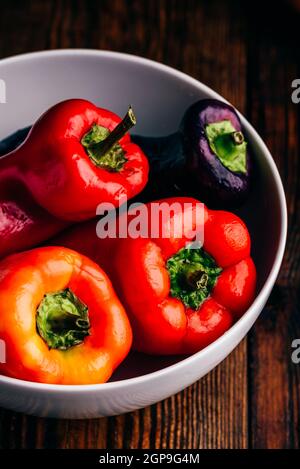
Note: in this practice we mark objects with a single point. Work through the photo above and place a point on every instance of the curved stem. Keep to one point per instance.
(103, 147)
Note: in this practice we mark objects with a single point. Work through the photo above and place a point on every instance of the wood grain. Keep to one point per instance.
(273, 62)
(222, 44)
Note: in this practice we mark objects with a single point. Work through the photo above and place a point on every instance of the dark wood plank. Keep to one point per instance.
(273, 62)
(206, 40)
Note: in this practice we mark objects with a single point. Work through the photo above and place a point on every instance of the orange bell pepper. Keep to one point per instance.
(61, 320)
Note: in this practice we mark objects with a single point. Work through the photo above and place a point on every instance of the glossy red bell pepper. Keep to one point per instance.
(178, 299)
(76, 156)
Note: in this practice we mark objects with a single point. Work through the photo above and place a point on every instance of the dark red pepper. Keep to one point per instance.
(23, 223)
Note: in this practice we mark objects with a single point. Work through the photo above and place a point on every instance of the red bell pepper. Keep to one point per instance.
(178, 299)
(76, 156)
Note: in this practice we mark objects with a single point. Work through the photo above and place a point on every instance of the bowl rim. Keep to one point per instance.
(265, 289)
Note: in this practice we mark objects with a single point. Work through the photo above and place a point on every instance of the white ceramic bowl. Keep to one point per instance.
(159, 95)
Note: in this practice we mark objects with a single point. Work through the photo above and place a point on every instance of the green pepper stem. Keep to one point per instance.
(229, 145)
(103, 147)
(62, 320)
(237, 137)
(193, 274)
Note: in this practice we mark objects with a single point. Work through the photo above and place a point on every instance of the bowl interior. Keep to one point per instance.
(159, 96)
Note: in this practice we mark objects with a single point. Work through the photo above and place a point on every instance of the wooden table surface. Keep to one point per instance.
(240, 49)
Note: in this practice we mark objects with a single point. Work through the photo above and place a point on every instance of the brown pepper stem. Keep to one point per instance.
(196, 279)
